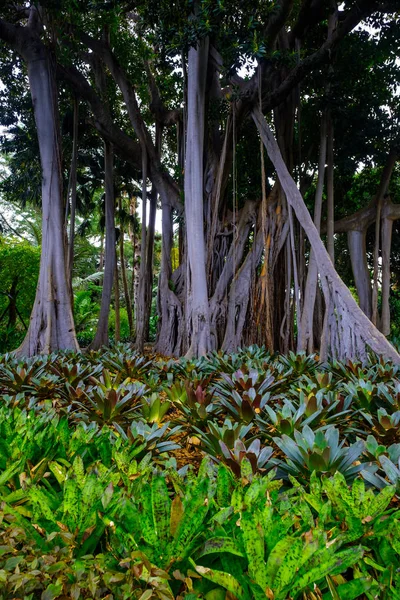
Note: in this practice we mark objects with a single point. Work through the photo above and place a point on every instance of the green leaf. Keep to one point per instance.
(58, 471)
(224, 483)
(293, 560)
(220, 544)
(161, 505)
(146, 516)
(225, 580)
(334, 565)
(192, 519)
(254, 546)
(353, 589)
(52, 591)
(276, 559)
(79, 471)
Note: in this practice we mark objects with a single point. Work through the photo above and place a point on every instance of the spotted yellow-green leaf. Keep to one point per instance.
(161, 505)
(79, 471)
(225, 580)
(276, 559)
(176, 514)
(220, 544)
(224, 483)
(254, 545)
(192, 519)
(337, 563)
(59, 471)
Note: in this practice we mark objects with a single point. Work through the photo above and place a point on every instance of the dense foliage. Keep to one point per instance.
(239, 260)
(231, 476)
(19, 270)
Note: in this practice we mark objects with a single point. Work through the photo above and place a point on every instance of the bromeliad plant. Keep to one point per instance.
(196, 403)
(313, 410)
(246, 461)
(154, 409)
(109, 405)
(244, 394)
(321, 452)
(386, 469)
(227, 433)
(154, 439)
(130, 368)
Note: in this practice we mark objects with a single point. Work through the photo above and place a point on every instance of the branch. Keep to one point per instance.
(157, 106)
(9, 33)
(355, 15)
(363, 218)
(311, 12)
(127, 147)
(166, 186)
(277, 21)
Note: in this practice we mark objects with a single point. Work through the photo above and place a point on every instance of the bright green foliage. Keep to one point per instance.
(19, 270)
(319, 451)
(97, 496)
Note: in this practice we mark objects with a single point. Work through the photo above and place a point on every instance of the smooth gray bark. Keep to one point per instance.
(383, 186)
(387, 228)
(149, 260)
(240, 295)
(197, 308)
(101, 337)
(358, 255)
(117, 336)
(170, 331)
(234, 258)
(128, 301)
(51, 326)
(330, 219)
(141, 300)
(73, 189)
(305, 339)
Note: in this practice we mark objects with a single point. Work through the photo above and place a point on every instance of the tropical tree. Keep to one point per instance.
(167, 92)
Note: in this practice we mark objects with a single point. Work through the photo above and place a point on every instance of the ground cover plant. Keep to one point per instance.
(246, 475)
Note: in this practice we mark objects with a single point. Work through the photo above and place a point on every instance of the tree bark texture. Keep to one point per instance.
(101, 337)
(141, 300)
(349, 331)
(72, 188)
(197, 309)
(127, 296)
(306, 338)
(51, 326)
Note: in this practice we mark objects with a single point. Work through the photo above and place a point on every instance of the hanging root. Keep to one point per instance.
(348, 331)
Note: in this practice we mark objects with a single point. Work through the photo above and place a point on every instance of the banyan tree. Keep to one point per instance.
(237, 118)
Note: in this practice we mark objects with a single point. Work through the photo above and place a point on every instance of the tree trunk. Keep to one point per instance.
(141, 303)
(101, 258)
(128, 302)
(240, 295)
(330, 221)
(383, 186)
(51, 325)
(233, 259)
(170, 330)
(387, 227)
(73, 187)
(117, 336)
(306, 338)
(12, 306)
(358, 255)
(101, 337)
(197, 309)
(349, 332)
(149, 261)
(132, 236)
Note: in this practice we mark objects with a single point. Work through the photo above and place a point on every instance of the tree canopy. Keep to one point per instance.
(262, 131)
